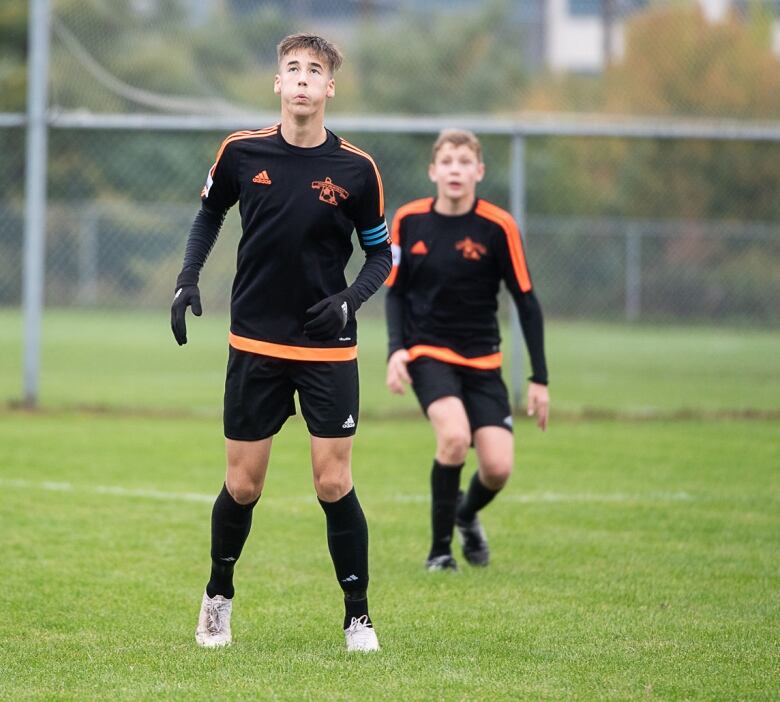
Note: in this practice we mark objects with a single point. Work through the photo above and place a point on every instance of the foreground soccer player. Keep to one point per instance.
(301, 189)
(449, 255)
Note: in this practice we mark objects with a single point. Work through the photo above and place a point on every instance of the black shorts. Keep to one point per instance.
(259, 394)
(482, 392)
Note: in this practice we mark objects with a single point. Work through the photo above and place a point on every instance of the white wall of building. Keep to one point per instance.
(715, 10)
(776, 37)
(576, 43)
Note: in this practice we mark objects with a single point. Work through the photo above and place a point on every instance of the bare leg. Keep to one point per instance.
(453, 437)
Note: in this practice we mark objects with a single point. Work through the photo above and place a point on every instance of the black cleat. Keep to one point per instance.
(443, 562)
(473, 541)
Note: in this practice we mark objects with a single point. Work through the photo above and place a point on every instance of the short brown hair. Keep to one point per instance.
(457, 137)
(312, 42)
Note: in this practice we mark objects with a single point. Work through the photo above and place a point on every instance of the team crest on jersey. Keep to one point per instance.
(329, 190)
(472, 250)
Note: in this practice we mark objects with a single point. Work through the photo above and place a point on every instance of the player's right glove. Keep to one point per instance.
(330, 316)
(187, 295)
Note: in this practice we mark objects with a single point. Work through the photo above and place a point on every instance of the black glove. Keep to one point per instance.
(330, 316)
(187, 294)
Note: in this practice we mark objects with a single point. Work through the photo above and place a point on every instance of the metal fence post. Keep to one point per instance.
(88, 257)
(35, 195)
(633, 272)
(517, 205)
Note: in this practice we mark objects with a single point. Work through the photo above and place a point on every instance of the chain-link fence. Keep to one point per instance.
(115, 237)
(650, 228)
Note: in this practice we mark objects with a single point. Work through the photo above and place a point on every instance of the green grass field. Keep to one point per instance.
(632, 560)
(129, 360)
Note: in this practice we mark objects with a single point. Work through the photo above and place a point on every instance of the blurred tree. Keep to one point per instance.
(676, 64)
(13, 98)
(441, 62)
(13, 73)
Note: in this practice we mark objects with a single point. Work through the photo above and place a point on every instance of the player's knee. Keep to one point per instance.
(453, 445)
(243, 490)
(330, 488)
(495, 474)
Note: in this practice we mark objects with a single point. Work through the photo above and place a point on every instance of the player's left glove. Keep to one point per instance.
(187, 294)
(330, 316)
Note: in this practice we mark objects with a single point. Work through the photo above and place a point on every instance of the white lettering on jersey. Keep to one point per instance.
(207, 187)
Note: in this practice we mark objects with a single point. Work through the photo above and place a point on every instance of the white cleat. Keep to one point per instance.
(361, 635)
(214, 622)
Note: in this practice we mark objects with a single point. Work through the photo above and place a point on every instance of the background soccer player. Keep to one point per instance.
(301, 190)
(449, 255)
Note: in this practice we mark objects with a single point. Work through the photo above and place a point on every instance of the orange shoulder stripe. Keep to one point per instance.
(442, 353)
(244, 134)
(420, 206)
(292, 353)
(513, 240)
(355, 150)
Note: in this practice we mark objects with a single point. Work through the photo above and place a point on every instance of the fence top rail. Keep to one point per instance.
(523, 125)
(12, 119)
(621, 226)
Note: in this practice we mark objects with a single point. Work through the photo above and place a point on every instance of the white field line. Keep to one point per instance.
(536, 498)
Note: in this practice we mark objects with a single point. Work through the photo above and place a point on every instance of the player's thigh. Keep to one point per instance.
(495, 448)
(259, 396)
(439, 391)
(329, 394)
(331, 462)
(247, 464)
(448, 417)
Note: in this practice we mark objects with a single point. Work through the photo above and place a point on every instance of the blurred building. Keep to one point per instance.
(586, 35)
(580, 36)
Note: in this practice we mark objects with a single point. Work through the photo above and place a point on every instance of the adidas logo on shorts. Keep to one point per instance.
(349, 423)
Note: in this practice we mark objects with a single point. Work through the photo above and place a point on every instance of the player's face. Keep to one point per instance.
(456, 172)
(304, 83)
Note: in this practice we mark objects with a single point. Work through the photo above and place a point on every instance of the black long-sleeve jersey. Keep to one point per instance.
(298, 208)
(444, 284)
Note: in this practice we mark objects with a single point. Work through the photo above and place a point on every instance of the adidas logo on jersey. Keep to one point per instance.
(349, 423)
(262, 178)
(420, 249)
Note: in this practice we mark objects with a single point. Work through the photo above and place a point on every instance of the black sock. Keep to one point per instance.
(475, 499)
(348, 546)
(445, 481)
(230, 524)
(355, 606)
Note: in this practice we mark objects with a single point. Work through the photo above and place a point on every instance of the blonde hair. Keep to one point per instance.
(457, 137)
(328, 52)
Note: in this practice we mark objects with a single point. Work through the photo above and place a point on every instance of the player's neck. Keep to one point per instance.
(305, 132)
(453, 207)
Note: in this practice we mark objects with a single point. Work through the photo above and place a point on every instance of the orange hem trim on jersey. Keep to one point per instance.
(292, 353)
(441, 353)
(355, 150)
(420, 206)
(514, 242)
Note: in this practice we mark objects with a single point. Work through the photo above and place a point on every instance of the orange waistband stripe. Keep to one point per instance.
(292, 353)
(440, 353)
